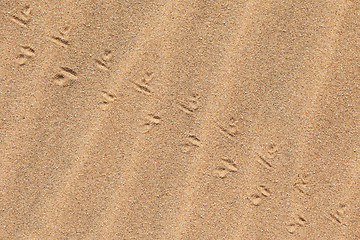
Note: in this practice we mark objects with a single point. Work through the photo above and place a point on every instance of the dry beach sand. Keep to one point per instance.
(180, 119)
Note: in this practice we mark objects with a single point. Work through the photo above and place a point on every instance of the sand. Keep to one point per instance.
(179, 119)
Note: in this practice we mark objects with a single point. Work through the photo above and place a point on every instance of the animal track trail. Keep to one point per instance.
(257, 198)
(62, 37)
(226, 166)
(65, 77)
(108, 98)
(23, 17)
(191, 104)
(192, 142)
(26, 54)
(103, 62)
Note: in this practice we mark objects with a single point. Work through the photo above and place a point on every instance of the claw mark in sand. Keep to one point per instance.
(337, 216)
(25, 55)
(108, 98)
(227, 166)
(69, 71)
(256, 198)
(264, 191)
(291, 228)
(272, 150)
(270, 153)
(65, 76)
(264, 162)
(299, 221)
(28, 51)
(151, 121)
(147, 77)
(142, 86)
(23, 18)
(62, 39)
(102, 63)
(300, 184)
(192, 142)
(230, 130)
(191, 105)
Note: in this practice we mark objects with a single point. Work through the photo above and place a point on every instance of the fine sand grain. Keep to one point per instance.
(180, 119)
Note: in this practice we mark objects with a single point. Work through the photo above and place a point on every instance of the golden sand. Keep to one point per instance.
(180, 119)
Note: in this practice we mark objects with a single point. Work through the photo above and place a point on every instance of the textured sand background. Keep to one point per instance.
(180, 119)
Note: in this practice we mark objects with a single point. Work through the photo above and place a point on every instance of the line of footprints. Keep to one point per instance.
(66, 76)
(300, 221)
(62, 39)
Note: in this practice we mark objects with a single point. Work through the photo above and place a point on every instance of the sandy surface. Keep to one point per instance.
(180, 119)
